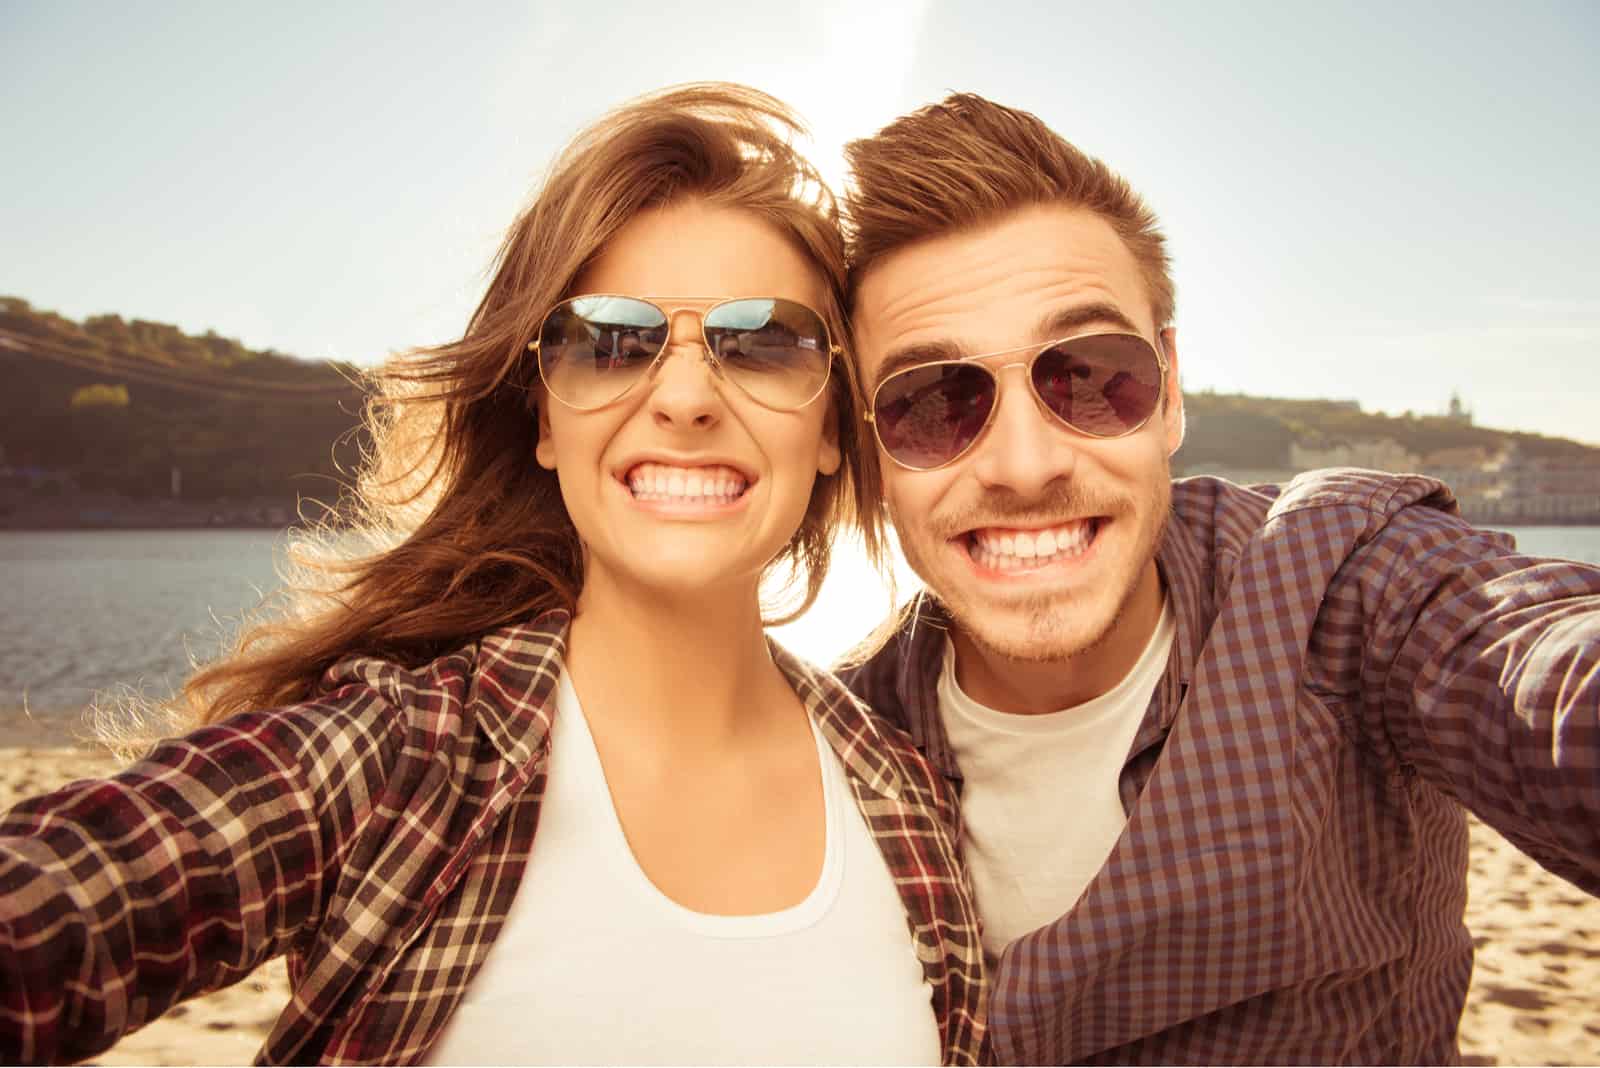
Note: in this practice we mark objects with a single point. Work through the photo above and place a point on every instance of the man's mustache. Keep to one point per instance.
(1058, 502)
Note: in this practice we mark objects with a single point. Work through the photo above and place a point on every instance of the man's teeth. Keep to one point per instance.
(694, 485)
(1013, 550)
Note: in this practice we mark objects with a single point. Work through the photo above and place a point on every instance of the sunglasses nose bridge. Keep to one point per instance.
(685, 327)
(686, 336)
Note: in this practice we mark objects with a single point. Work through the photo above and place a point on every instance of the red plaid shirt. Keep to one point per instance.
(1352, 664)
(377, 835)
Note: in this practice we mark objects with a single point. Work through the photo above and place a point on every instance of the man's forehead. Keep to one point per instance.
(1000, 284)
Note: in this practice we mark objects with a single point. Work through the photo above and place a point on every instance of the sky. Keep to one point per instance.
(1379, 202)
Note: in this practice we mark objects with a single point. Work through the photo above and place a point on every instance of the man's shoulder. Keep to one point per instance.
(1326, 502)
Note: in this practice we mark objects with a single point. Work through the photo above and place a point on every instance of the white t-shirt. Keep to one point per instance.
(595, 965)
(1039, 793)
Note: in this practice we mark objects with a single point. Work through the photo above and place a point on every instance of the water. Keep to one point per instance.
(87, 611)
(1567, 543)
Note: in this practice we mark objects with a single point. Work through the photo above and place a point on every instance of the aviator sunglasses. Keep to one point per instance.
(593, 349)
(1102, 385)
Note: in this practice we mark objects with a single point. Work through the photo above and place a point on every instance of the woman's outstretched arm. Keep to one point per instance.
(121, 897)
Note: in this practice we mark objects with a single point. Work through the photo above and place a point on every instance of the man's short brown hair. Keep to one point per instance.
(967, 161)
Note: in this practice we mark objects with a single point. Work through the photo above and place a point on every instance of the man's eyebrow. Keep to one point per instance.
(1071, 320)
(1053, 325)
(912, 355)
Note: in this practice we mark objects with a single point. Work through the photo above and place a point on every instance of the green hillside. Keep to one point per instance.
(118, 404)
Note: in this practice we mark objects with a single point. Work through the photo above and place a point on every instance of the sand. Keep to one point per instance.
(1534, 998)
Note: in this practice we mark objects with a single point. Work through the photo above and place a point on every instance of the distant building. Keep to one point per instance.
(1458, 412)
(1524, 489)
(1472, 471)
(1384, 454)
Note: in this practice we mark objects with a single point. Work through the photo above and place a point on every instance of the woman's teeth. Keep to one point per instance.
(688, 485)
(1017, 550)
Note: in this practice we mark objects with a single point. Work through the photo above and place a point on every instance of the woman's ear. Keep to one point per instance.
(545, 450)
(828, 453)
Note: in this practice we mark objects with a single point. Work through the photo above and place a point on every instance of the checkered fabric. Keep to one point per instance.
(1353, 663)
(377, 835)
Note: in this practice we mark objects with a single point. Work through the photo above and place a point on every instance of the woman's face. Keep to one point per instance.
(686, 485)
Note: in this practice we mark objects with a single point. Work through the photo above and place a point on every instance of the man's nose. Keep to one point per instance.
(1024, 449)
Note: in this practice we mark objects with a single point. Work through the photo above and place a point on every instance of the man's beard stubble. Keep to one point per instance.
(1006, 508)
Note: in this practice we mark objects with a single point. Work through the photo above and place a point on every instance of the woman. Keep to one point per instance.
(733, 862)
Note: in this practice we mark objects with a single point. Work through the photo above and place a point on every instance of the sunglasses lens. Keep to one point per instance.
(927, 416)
(775, 350)
(1105, 385)
(592, 349)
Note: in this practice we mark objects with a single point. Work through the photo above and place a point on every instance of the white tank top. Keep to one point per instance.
(1039, 795)
(597, 966)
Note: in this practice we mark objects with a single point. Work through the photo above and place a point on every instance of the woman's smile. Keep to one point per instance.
(687, 489)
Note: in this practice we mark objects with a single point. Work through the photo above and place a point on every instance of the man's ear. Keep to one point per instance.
(1172, 399)
(545, 450)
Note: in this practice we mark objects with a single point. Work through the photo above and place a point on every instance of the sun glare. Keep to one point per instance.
(859, 84)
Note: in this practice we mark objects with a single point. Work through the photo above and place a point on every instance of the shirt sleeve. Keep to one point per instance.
(121, 897)
(1482, 667)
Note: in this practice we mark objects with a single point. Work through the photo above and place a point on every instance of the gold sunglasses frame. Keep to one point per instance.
(1038, 350)
(669, 307)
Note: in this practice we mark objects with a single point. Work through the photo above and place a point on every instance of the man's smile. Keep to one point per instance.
(1024, 550)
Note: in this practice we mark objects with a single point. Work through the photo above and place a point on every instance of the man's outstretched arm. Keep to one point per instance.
(1482, 666)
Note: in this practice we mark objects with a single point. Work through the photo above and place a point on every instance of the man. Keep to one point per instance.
(1212, 741)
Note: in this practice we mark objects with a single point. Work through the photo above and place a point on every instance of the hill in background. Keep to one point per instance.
(113, 416)
(129, 422)
(1238, 431)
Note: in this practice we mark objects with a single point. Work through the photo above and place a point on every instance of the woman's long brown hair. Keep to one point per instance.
(457, 531)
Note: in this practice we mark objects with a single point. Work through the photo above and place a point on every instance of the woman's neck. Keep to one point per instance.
(690, 670)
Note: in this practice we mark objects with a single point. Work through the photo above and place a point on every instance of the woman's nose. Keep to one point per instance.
(684, 393)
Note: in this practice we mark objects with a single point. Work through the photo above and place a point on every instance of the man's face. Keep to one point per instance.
(1037, 275)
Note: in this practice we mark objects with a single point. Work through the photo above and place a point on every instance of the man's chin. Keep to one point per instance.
(1032, 634)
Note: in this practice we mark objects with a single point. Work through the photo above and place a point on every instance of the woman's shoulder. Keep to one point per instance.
(500, 685)
(883, 752)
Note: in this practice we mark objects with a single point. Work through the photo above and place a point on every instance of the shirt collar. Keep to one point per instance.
(1181, 562)
(513, 692)
(842, 718)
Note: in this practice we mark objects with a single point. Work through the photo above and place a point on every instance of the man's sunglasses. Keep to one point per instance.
(594, 349)
(1102, 385)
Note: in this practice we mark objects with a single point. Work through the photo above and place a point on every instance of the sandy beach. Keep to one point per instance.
(1533, 998)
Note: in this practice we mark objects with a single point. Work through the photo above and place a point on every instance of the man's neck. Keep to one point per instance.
(1037, 687)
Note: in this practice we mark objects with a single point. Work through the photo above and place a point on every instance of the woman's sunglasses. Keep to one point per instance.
(1102, 385)
(594, 349)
